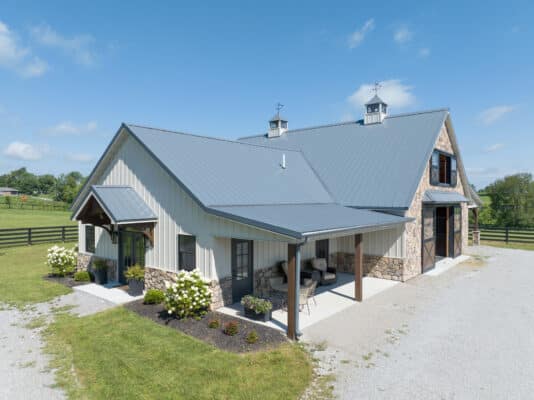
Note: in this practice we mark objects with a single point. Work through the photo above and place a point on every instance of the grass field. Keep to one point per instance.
(13, 218)
(117, 354)
(519, 246)
(21, 276)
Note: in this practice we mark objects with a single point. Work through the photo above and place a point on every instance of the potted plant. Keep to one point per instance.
(136, 280)
(100, 268)
(257, 308)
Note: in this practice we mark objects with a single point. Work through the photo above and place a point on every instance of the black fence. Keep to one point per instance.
(34, 206)
(505, 234)
(46, 234)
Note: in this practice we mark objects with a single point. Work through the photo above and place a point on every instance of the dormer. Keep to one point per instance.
(375, 111)
(277, 126)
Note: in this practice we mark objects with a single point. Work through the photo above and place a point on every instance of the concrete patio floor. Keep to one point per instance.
(329, 300)
(113, 295)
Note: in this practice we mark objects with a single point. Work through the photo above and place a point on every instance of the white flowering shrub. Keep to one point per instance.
(188, 295)
(61, 261)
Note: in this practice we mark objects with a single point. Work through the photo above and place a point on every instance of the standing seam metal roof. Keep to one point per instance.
(123, 204)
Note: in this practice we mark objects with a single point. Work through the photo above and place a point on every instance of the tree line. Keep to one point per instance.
(63, 187)
(511, 202)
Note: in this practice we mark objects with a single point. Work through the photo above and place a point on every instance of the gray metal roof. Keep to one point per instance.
(223, 172)
(123, 204)
(442, 197)
(368, 166)
(375, 100)
(301, 220)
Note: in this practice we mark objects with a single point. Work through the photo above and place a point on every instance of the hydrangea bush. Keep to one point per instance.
(188, 295)
(61, 261)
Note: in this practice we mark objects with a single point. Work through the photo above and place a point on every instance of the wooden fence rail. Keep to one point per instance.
(505, 234)
(45, 234)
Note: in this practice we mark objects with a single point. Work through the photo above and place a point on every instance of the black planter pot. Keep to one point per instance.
(135, 287)
(101, 276)
(250, 313)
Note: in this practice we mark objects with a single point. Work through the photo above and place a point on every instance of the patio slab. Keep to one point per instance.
(112, 295)
(330, 300)
(445, 264)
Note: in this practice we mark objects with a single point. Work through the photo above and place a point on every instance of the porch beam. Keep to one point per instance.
(292, 304)
(358, 267)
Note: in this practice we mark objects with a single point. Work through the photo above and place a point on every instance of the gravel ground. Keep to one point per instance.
(466, 334)
(23, 366)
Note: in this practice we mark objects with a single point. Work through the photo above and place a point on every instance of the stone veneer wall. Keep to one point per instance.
(412, 265)
(86, 260)
(375, 266)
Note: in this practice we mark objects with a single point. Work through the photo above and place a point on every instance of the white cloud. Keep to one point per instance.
(424, 52)
(493, 114)
(24, 151)
(79, 46)
(17, 58)
(80, 157)
(393, 92)
(67, 128)
(493, 147)
(402, 35)
(357, 37)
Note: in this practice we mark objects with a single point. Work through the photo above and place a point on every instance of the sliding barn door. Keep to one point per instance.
(457, 231)
(429, 238)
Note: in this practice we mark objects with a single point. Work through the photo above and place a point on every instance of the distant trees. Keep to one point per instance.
(61, 188)
(512, 202)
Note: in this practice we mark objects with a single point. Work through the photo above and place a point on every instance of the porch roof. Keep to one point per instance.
(443, 197)
(121, 204)
(303, 220)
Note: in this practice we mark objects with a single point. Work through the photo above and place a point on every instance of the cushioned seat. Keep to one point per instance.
(328, 275)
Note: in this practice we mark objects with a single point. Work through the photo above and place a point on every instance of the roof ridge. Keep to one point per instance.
(211, 138)
(359, 122)
(268, 204)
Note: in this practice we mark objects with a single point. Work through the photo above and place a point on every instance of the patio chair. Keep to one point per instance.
(328, 274)
(305, 293)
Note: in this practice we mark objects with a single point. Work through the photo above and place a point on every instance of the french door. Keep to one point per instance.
(428, 238)
(131, 251)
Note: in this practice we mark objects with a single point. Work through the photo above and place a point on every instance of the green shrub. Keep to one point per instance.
(61, 261)
(259, 306)
(214, 324)
(252, 337)
(188, 296)
(100, 265)
(82, 276)
(154, 296)
(231, 328)
(135, 272)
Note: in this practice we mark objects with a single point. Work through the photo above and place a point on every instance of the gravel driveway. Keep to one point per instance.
(466, 334)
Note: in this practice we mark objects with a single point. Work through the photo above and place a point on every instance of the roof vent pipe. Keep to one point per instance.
(283, 164)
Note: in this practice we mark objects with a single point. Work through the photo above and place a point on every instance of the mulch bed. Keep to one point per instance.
(268, 337)
(64, 280)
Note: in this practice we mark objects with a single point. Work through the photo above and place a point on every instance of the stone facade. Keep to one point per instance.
(221, 292)
(155, 278)
(85, 261)
(262, 284)
(412, 265)
(375, 266)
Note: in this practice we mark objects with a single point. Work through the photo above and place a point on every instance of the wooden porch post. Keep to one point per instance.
(291, 298)
(358, 268)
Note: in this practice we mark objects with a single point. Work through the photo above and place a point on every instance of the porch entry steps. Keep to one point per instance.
(330, 300)
(445, 264)
(112, 295)
(112, 284)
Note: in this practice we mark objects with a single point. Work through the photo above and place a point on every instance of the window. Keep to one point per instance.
(284, 124)
(273, 124)
(443, 169)
(89, 238)
(187, 252)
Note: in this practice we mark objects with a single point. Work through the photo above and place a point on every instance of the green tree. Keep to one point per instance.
(68, 186)
(47, 183)
(512, 200)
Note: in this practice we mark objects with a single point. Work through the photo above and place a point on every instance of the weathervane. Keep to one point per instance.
(376, 87)
(279, 106)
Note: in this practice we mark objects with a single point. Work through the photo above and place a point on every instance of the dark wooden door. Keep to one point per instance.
(242, 269)
(442, 230)
(456, 231)
(322, 249)
(131, 251)
(428, 239)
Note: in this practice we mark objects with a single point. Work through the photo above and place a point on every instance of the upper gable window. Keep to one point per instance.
(443, 171)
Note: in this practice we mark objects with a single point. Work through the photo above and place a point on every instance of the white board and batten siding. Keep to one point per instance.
(177, 214)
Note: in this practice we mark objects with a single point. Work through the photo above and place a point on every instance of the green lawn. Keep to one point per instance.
(118, 355)
(21, 276)
(12, 218)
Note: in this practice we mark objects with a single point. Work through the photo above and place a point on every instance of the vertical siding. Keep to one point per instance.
(388, 243)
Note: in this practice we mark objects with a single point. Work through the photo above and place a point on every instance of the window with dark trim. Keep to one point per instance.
(187, 252)
(89, 238)
(443, 169)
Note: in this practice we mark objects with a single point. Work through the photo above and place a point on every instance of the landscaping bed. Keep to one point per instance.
(267, 337)
(67, 281)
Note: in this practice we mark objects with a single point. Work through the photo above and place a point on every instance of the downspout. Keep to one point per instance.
(298, 333)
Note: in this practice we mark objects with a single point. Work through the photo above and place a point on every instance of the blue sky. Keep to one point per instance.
(71, 72)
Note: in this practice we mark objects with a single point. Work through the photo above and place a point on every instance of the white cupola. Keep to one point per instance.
(375, 111)
(277, 124)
